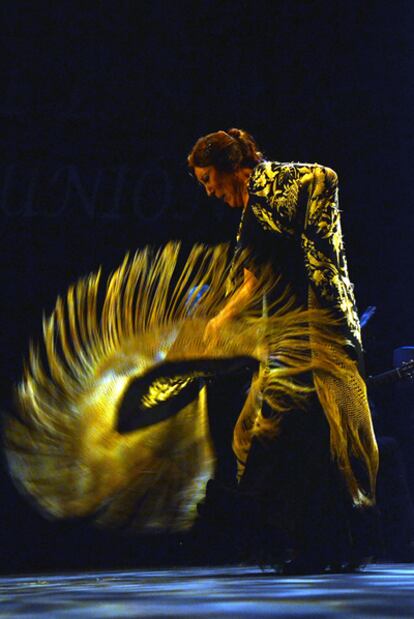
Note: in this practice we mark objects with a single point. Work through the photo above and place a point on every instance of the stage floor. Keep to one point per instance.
(378, 591)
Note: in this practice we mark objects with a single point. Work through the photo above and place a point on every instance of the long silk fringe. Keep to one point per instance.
(62, 446)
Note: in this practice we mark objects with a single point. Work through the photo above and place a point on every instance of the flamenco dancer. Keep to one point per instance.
(111, 418)
(300, 467)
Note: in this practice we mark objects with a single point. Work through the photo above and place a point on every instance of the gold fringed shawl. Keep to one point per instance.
(342, 393)
(64, 446)
(301, 201)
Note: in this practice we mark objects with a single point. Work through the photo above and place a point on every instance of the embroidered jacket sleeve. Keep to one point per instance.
(301, 200)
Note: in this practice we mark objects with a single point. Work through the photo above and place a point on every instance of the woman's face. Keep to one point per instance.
(227, 186)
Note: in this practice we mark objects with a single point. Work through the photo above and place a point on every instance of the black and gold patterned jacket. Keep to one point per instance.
(298, 203)
(292, 221)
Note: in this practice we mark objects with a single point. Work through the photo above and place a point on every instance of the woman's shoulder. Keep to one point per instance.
(267, 173)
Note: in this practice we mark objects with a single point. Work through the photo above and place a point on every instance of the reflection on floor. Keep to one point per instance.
(377, 591)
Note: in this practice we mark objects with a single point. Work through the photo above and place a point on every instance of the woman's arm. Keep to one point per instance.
(234, 307)
(239, 300)
(324, 253)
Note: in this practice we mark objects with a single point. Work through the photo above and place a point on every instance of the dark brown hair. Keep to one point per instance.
(225, 150)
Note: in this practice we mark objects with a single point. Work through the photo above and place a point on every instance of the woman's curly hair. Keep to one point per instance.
(225, 150)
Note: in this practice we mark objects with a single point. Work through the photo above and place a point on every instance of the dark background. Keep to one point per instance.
(100, 106)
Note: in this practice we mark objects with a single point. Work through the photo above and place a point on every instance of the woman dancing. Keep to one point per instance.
(111, 419)
(307, 473)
